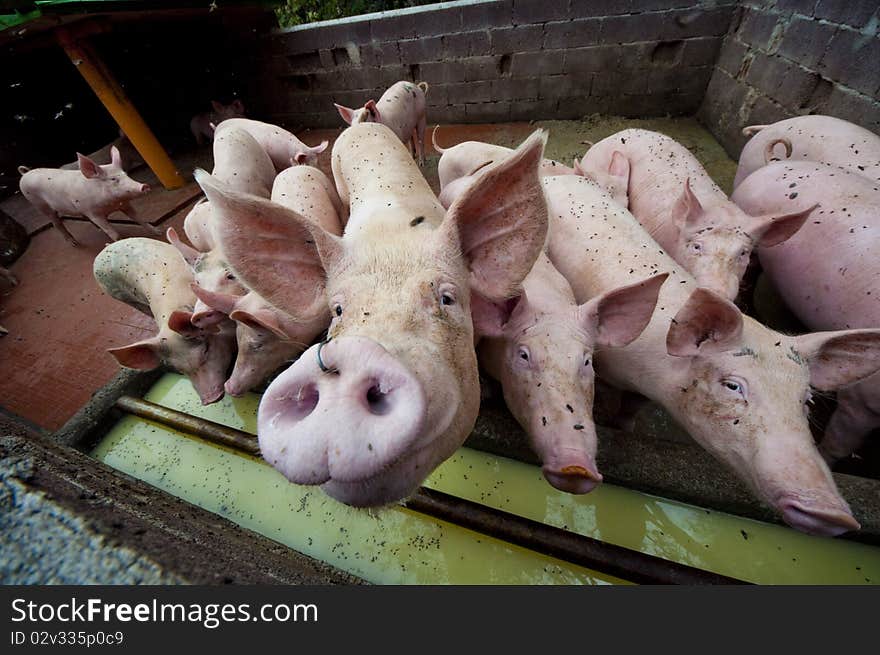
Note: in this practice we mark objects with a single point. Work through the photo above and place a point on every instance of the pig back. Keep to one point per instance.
(828, 271)
(242, 164)
(310, 193)
(147, 274)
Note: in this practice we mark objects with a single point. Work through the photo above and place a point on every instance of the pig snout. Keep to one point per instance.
(208, 384)
(817, 517)
(346, 416)
(572, 470)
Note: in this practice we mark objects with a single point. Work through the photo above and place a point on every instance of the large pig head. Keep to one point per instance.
(744, 396)
(543, 357)
(715, 243)
(395, 390)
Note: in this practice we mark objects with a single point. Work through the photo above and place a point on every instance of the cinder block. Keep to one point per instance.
(766, 111)
(533, 110)
(609, 84)
(413, 51)
(481, 68)
(720, 111)
(392, 74)
(454, 113)
(436, 95)
(804, 7)
(635, 56)
(756, 27)
(545, 62)
(786, 82)
(852, 12)
(378, 54)
(636, 27)
(557, 86)
(526, 12)
(572, 33)
(466, 44)
(731, 55)
(687, 23)
(482, 15)
(526, 88)
(591, 59)
(431, 22)
(591, 8)
(487, 112)
(575, 107)
(469, 92)
(854, 61)
(337, 35)
(443, 72)
(805, 40)
(853, 107)
(508, 40)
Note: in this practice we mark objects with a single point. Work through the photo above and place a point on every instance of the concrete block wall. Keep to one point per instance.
(501, 60)
(785, 58)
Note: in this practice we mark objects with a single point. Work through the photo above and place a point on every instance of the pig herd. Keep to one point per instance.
(381, 301)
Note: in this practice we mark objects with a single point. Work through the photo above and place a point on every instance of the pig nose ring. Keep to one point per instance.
(324, 368)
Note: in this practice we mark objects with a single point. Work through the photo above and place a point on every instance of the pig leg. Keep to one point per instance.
(59, 223)
(129, 212)
(420, 140)
(106, 227)
(851, 422)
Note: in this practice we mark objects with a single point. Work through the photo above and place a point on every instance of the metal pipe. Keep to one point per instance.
(574, 548)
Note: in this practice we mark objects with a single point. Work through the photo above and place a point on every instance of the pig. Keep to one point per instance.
(283, 148)
(393, 391)
(739, 388)
(673, 197)
(149, 275)
(401, 108)
(816, 138)
(94, 191)
(242, 163)
(828, 272)
(542, 356)
(203, 125)
(268, 337)
(468, 157)
(129, 156)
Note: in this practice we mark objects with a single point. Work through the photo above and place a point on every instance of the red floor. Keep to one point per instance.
(60, 323)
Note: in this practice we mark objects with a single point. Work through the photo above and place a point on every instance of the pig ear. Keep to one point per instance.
(618, 317)
(706, 324)
(115, 157)
(578, 170)
(222, 302)
(318, 149)
(619, 169)
(141, 355)
(490, 318)
(217, 107)
(264, 319)
(687, 210)
(346, 113)
(838, 359)
(88, 167)
(181, 322)
(773, 231)
(276, 252)
(299, 158)
(190, 254)
(370, 106)
(238, 105)
(499, 221)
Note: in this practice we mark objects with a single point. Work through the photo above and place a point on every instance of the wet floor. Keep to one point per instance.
(60, 324)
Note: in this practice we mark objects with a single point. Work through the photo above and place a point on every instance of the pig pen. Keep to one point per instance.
(193, 499)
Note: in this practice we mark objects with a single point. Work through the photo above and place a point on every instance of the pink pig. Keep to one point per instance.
(394, 391)
(740, 389)
(283, 148)
(813, 138)
(202, 126)
(829, 272)
(150, 276)
(93, 192)
(673, 197)
(401, 108)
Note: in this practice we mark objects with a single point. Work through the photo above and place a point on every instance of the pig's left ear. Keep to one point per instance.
(115, 157)
(238, 106)
(619, 169)
(618, 317)
(838, 359)
(373, 111)
(264, 320)
(490, 318)
(346, 113)
(181, 322)
(776, 229)
(708, 323)
(687, 210)
(88, 167)
(499, 221)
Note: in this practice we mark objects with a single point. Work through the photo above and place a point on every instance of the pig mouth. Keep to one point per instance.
(824, 521)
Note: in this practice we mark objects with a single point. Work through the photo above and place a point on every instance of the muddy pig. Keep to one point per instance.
(94, 192)
(150, 276)
(394, 390)
(740, 389)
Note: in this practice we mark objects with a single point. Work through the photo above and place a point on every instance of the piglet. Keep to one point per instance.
(283, 148)
(814, 138)
(129, 156)
(150, 276)
(93, 191)
(543, 358)
(681, 207)
(401, 108)
(203, 125)
(241, 163)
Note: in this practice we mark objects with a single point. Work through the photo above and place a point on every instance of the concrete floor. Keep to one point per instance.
(60, 323)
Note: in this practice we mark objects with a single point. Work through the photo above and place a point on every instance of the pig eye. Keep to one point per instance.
(735, 386)
(337, 309)
(447, 299)
(523, 353)
(230, 276)
(696, 247)
(586, 360)
(447, 294)
(744, 253)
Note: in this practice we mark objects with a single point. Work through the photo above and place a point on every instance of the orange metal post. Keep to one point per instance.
(117, 103)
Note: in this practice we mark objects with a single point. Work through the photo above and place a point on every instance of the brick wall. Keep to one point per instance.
(790, 57)
(500, 60)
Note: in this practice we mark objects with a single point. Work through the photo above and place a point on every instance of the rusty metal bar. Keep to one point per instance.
(574, 548)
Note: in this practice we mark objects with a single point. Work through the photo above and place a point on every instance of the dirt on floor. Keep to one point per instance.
(60, 323)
